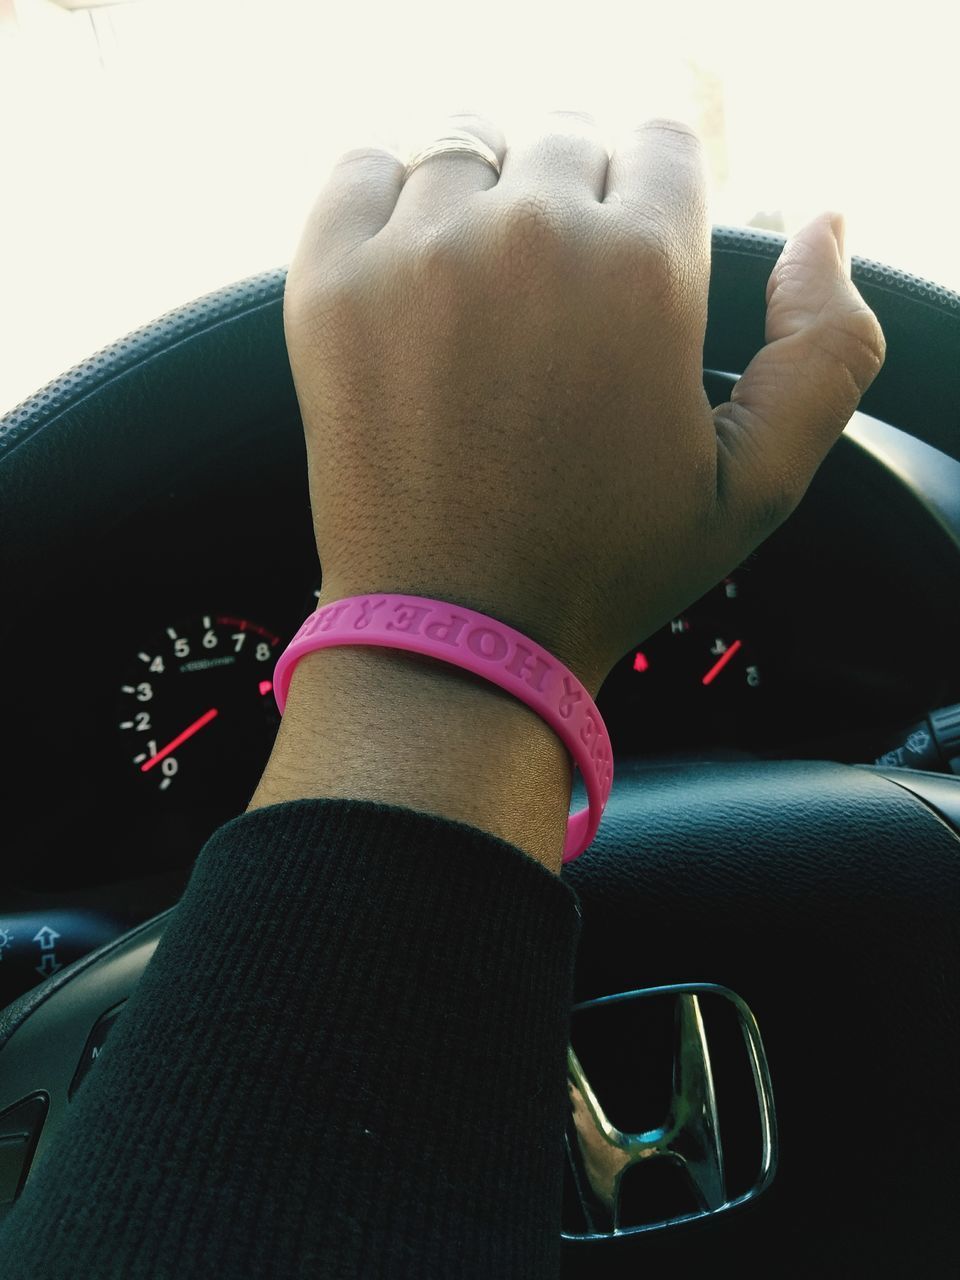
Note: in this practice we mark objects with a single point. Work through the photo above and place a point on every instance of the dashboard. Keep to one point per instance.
(148, 712)
(838, 632)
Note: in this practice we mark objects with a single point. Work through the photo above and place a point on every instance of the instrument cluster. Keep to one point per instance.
(135, 731)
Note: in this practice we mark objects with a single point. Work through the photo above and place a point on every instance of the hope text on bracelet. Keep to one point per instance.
(488, 648)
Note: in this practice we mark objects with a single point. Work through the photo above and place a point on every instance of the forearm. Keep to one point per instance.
(347, 1058)
(395, 728)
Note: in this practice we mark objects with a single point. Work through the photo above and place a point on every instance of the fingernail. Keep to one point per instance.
(838, 224)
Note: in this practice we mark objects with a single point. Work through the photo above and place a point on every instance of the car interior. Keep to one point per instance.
(777, 872)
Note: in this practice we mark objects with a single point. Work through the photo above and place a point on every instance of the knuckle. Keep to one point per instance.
(433, 270)
(852, 342)
(866, 347)
(528, 229)
(569, 140)
(647, 256)
(436, 259)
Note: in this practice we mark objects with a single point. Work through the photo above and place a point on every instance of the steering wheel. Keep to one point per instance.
(826, 895)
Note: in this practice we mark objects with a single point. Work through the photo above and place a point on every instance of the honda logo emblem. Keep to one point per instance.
(687, 1134)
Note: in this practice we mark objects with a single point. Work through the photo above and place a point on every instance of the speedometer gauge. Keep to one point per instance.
(196, 712)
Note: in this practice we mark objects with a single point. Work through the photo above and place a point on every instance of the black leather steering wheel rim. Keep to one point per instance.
(141, 409)
(675, 890)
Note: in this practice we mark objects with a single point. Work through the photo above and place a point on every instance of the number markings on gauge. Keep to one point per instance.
(189, 668)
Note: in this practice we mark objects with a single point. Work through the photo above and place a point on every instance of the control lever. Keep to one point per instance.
(933, 745)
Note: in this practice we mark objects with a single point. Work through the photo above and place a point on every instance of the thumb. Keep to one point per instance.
(823, 349)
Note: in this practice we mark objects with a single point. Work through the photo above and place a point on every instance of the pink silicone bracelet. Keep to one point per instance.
(489, 649)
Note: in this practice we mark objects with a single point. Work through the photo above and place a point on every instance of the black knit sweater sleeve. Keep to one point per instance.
(346, 1058)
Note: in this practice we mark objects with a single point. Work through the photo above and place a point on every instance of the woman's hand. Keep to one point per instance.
(501, 389)
(501, 383)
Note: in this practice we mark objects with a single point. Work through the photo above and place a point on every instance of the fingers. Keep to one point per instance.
(442, 182)
(659, 167)
(356, 202)
(566, 162)
(824, 348)
(368, 187)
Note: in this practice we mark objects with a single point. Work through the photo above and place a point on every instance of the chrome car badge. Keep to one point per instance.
(686, 1128)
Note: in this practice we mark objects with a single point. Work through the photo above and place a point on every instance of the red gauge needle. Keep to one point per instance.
(721, 662)
(188, 732)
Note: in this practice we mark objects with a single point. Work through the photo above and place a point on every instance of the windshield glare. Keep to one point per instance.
(155, 150)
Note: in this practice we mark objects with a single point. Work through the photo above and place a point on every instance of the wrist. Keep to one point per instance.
(397, 728)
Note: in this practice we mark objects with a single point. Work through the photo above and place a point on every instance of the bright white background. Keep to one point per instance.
(154, 150)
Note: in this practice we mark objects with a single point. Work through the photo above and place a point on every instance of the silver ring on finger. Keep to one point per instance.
(455, 143)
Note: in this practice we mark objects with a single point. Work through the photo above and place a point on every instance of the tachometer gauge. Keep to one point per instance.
(196, 713)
